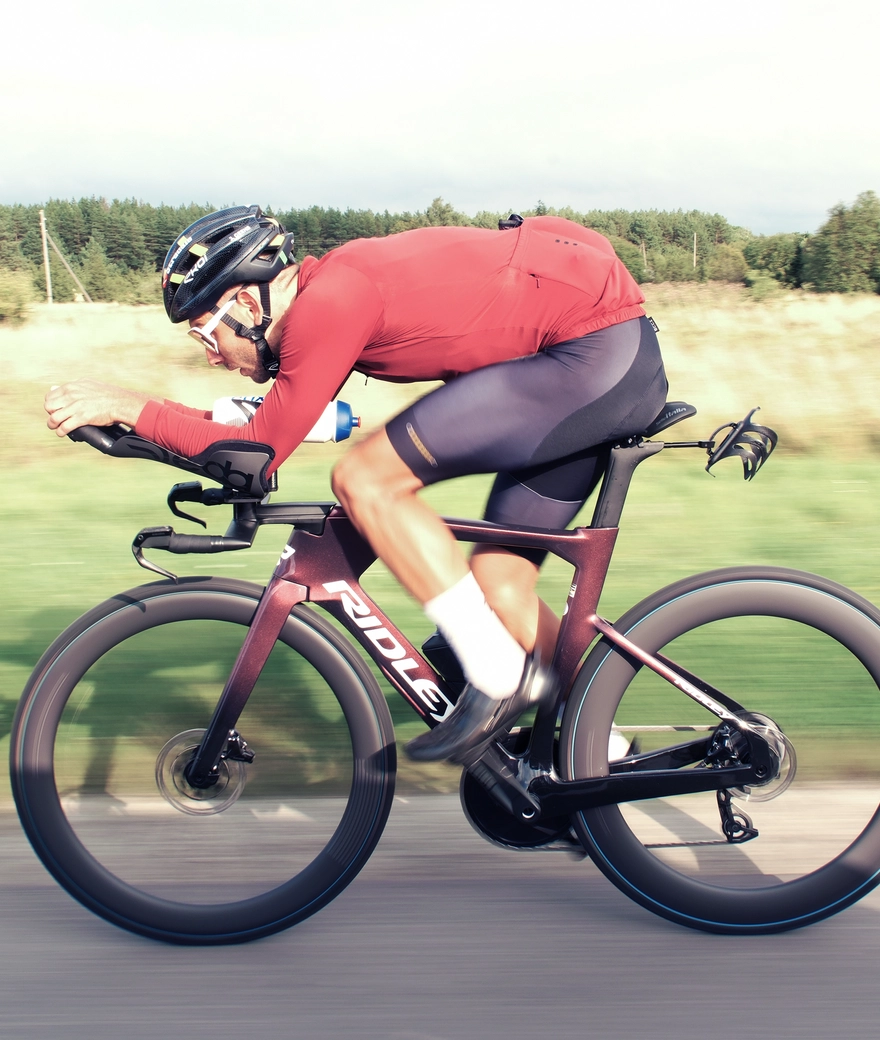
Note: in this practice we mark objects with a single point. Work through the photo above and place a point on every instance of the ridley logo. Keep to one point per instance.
(438, 705)
(286, 553)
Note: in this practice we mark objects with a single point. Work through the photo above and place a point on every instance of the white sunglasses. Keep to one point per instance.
(205, 333)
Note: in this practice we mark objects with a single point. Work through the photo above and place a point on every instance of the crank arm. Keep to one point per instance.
(496, 771)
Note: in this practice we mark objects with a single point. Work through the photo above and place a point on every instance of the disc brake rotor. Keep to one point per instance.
(783, 750)
(177, 791)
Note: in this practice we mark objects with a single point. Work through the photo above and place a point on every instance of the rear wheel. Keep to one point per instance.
(111, 717)
(792, 648)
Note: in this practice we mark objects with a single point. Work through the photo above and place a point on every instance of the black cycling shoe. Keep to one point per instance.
(476, 718)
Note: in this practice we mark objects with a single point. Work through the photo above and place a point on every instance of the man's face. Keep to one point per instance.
(235, 352)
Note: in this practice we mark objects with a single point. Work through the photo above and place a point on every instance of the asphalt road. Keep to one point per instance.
(442, 936)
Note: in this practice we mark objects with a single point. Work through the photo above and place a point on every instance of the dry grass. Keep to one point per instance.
(135, 347)
(809, 361)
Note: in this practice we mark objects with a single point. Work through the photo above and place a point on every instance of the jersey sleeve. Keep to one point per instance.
(196, 413)
(325, 331)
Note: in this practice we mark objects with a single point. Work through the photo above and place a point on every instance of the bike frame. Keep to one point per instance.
(323, 562)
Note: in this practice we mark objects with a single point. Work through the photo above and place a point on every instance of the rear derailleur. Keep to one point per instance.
(729, 746)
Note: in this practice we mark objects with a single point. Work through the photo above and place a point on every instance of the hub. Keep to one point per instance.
(197, 801)
(781, 752)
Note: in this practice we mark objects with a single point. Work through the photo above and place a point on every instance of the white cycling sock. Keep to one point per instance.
(491, 658)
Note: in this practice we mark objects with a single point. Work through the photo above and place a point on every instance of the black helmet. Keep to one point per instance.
(236, 246)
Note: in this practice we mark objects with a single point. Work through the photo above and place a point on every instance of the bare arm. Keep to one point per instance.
(87, 402)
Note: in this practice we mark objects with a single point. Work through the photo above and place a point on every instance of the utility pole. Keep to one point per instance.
(68, 268)
(695, 250)
(46, 256)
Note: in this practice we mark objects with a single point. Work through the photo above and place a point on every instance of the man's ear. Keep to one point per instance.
(247, 298)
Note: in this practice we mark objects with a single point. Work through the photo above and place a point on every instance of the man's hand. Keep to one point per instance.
(86, 402)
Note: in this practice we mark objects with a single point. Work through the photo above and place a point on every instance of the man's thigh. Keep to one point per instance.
(537, 421)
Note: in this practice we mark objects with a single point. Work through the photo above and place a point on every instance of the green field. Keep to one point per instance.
(70, 514)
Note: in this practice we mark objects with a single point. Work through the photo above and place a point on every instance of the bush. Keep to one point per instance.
(761, 285)
(674, 265)
(781, 256)
(63, 286)
(141, 287)
(16, 293)
(631, 256)
(103, 280)
(844, 254)
(727, 265)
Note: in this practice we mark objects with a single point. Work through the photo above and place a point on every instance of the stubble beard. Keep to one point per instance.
(260, 373)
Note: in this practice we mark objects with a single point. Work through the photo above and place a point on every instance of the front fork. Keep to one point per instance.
(221, 737)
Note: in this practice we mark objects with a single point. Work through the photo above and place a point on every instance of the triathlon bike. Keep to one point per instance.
(203, 760)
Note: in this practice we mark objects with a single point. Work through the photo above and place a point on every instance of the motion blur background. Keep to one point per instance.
(764, 113)
(807, 360)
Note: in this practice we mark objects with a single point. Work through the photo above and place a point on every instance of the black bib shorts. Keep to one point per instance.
(538, 422)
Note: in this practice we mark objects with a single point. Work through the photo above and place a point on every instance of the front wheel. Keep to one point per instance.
(110, 719)
(789, 647)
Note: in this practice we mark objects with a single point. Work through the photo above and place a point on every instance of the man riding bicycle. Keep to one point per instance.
(540, 338)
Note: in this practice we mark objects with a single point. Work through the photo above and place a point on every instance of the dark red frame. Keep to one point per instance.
(324, 560)
(325, 568)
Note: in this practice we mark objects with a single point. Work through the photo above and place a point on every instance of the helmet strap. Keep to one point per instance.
(255, 332)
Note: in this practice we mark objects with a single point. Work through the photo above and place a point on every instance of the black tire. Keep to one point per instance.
(148, 665)
(793, 646)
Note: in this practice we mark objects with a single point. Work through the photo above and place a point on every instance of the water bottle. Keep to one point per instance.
(335, 424)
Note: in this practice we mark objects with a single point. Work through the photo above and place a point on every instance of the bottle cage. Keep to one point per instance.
(751, 442)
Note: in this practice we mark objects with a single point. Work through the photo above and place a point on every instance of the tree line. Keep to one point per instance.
(116, 248)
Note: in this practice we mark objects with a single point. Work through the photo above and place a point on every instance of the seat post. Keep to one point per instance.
(622, 462)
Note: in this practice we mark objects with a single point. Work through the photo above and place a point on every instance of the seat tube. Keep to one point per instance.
(589, 551)
(577, 630)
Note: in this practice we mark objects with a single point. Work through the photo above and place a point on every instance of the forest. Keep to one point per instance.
(115, 248)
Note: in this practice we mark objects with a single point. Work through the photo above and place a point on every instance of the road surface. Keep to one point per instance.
(442, 937)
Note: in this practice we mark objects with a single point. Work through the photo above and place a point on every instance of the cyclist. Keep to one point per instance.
(537, 331)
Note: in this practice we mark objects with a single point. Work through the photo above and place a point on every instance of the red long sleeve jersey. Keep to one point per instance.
(432, 303)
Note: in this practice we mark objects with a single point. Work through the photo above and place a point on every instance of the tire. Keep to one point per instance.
(792, 646)
(148, 666)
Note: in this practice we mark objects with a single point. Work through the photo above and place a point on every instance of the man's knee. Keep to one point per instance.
(372, 471)
(342, 476)
(352, 479)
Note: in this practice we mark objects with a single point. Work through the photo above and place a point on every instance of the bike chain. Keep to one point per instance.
(737, 827)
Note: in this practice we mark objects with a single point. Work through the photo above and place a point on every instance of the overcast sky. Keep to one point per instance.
(764, 111)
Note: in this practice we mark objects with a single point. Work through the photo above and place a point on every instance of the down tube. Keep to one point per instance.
(330, 564)
(401, 664)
